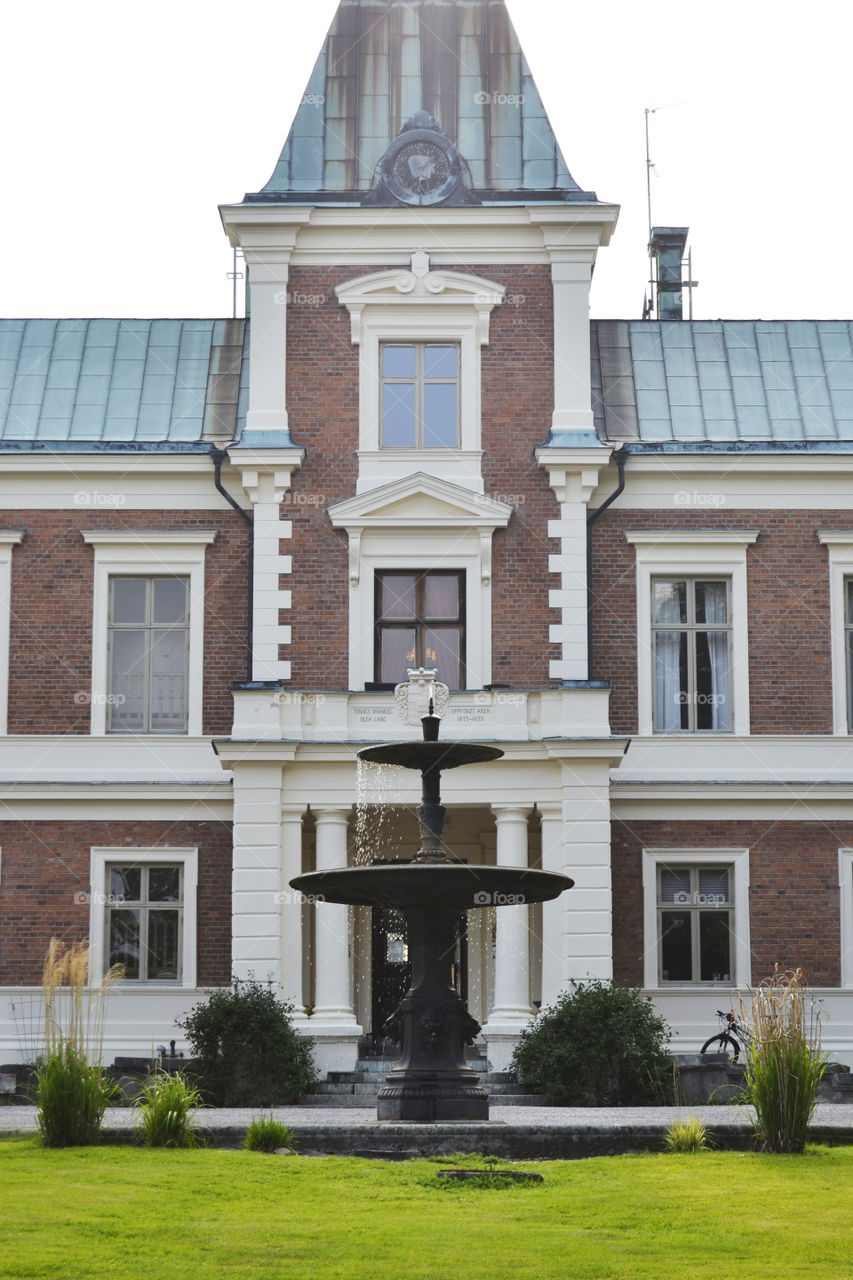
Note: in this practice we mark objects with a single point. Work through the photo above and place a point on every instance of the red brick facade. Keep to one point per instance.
(517, 399)
(50, 654)
(793, 896)
(788, 586)
(46, 870)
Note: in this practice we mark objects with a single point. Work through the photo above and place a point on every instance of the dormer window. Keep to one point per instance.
(420, 395)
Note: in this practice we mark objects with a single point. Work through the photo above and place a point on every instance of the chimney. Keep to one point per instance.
(666, 248)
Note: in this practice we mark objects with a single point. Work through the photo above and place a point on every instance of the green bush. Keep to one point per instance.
(71, 1097)
(267, 1134)
(246, 1049)
(599, 1045)
(784, 1062)
(687, 1136)
(165, 1112)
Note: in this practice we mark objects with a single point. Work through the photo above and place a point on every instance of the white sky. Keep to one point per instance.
(124, 125)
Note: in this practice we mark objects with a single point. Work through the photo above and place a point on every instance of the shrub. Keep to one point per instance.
(72, 1088)
(599, 1045)
(687, 1136)
(784, 1063)
(165, 1112)
(267, 1134)
(246, 1049)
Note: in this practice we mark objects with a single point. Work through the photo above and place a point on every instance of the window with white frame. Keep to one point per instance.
(420, 622)
(148, 655)
(143, 913)
(692, 630)
(420, 395)
(840, 547)
(696, 917)
(691, 620)
(148, 630)
(9, 539)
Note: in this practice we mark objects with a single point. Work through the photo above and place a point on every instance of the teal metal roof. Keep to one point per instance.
(133, 383)
(384, 61)
(723, 383)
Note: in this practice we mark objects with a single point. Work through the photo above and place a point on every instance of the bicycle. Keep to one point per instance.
(726, 1041)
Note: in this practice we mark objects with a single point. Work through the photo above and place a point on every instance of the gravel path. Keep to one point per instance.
(831, 1115)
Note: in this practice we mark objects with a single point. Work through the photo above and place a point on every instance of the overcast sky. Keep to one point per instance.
(125, 125)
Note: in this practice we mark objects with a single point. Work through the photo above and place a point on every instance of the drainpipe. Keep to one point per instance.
(621, 459)
(218, 456)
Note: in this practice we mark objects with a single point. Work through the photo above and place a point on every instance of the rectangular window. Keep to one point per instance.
(692, 641)
(420, 622)
(420, 396)
(149, 629)
(695, 924)
(144, 920)
(848, 648)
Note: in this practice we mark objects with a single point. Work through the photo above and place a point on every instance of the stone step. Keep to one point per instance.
(843, 1081)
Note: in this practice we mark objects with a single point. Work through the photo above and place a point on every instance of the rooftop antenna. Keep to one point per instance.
(234, 276)
(649, 300)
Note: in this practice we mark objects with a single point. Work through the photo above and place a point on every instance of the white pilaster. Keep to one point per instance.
(573, 474)
(578, 926)
(256, 874)
(512, 1010)
(333, 1023)
(572, 381)
(266, 477)
(268, 276)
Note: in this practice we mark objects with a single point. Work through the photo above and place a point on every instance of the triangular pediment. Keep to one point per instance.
(420, 500)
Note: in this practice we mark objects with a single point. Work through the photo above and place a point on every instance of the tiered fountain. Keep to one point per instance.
(431, 1081)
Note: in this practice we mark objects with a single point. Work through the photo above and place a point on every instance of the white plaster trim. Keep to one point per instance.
(420, 522)
(840, 549)
(99, 859)
(739, 861)
(845, 882)
(686, 553)
(144, 552)
(9, 539)
(420, 306)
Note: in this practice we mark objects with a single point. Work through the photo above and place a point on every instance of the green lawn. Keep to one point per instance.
(120, 1213)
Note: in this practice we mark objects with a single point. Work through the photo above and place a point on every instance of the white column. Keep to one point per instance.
(333, 1023)
(291, 907)
(268, 335)
(511, 1011)
(572, 378)
(256, 873)
(554, 975)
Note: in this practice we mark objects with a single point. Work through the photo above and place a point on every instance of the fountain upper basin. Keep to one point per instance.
(429, 755)
(460, 886)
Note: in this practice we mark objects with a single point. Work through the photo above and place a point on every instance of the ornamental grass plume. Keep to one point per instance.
(784, 1062)
(72, 1088)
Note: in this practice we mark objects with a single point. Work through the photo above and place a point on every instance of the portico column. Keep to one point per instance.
(333, 1022)
(554, 976)
(291, 908)
(511, 1011)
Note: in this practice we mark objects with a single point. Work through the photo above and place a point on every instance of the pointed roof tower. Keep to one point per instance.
(424, 102)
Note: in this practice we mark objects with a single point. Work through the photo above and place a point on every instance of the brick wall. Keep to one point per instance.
(50, 659)
(517, 385)
(790, 673)
(794, 900)
(47, 864)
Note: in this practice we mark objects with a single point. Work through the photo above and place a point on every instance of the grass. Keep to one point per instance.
(130, 1213)
(684, 1136)
(166, 1108)
(269, 1135)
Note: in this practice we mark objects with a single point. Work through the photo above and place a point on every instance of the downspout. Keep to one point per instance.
(621, 459)
(218, 456)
